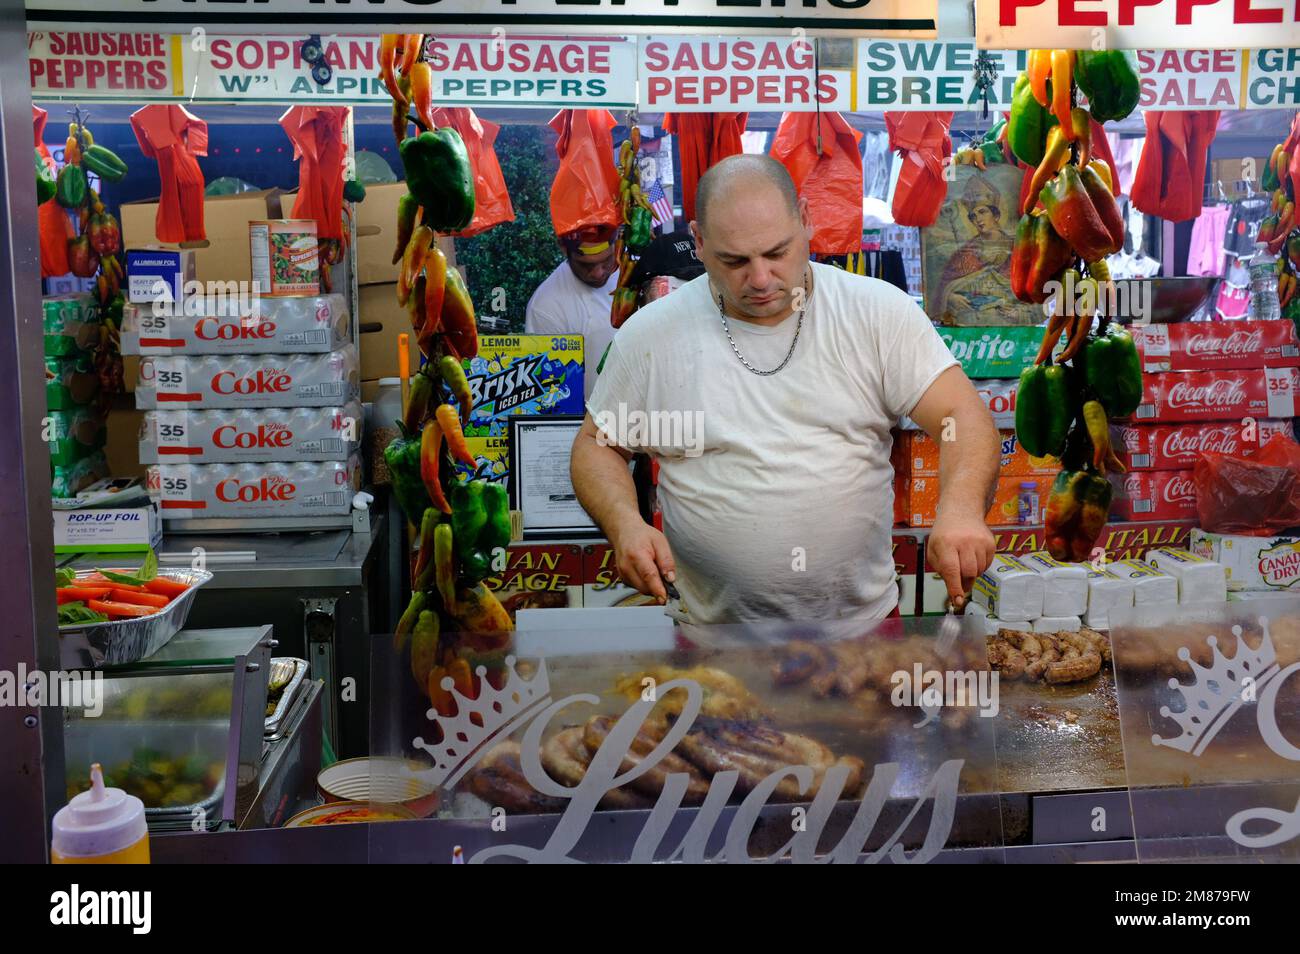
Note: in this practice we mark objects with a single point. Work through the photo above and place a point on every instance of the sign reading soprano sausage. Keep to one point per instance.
(738, 74)
(1134, 24)
(1274, 81)
(467, 70)
(102, 65)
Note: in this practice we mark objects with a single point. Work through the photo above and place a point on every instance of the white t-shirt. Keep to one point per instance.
(562, 305)
(781, 504)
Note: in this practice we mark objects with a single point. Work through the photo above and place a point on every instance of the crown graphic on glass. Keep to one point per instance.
(1216, 691)
(499, 713)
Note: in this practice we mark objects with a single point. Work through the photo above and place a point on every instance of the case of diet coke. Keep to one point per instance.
(1217, 345)
(1154, 495)
(1179, 446)
(256, 435)
(244, 381)
(285, 489)
(220, 325)
(1220, 395)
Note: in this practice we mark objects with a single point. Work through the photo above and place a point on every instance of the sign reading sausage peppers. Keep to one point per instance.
(466, 70)
(92, 65)
(738, 74)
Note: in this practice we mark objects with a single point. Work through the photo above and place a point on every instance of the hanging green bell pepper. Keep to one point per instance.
(1113, 371)
(1109, 78)
(45, 183)
(1028, 123)
(480, 523)
(639, 229)
(402, 455)
(1043, 410)
(439, 175)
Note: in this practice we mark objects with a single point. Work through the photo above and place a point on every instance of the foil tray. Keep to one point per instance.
(95, 645)
(293, 671)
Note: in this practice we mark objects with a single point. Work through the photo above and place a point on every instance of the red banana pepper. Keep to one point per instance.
(1055, 155)
(446, 417)
(388, 46)
(431, 463)
(1062, 77)
(413, 261)
(453, 375)
(1037, 256)
(458, 322)
(422, 93)
(412, 46)
(408, 213)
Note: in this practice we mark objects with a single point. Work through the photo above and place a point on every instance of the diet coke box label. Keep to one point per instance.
(1219, 395)
(1155, 495)
(243, 381)
(293, 489)
(254, 434)
(313, 325)
(1179, 446)
(1217, 345)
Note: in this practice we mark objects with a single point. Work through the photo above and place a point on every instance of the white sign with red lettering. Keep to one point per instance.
(1190, 79)
(468, 70)
(738, 74)
(135, 66)
(1136, 24)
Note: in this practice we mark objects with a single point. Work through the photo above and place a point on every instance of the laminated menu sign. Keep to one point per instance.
(539, 576)
(523, 374)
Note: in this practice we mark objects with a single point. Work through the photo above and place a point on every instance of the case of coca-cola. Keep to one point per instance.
(1217, 345)
(1220, 395)
(254, 380)
(286, 489)
(998, 395)
(256, 435)
(1177, 446)
(1154, 495)
(220, 325)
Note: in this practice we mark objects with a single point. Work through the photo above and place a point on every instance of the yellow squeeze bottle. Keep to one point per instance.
(103, 826)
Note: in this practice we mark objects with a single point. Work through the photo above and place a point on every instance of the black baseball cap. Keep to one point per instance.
(672, 254)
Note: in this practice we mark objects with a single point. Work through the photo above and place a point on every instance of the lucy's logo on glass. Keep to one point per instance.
(1209, 703)
(484, 723)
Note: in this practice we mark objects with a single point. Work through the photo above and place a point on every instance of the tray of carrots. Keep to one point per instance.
(112, 617)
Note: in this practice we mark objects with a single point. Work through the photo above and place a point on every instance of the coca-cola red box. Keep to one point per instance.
(1220, 395)
(1154, 495)
(1217, 345)
(1179, 446)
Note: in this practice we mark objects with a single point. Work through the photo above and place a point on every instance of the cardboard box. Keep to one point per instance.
(491, 459)
(922, 500)
(122, 448)
(225, 220)
(158, 274)
(523, 374)
(918, 456)
(993, 352)
(107, 529)
(380, 320)
(1252, 563)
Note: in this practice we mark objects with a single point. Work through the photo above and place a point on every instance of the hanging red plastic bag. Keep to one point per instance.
(491, 199)
(317, 136)
(1170, 176)
(820, 151)
(923, 144)
(54, 228)
(1256, 496)
(703, 140)
(585, 190)
(174, 136)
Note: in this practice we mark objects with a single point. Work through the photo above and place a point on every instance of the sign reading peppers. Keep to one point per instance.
(1070, 222)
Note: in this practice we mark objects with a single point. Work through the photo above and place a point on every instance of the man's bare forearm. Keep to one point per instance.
(969, 463)
(603, 483)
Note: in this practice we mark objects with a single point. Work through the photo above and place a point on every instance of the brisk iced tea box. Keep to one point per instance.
(524, 374)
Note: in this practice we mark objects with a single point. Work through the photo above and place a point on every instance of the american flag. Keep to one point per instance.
(661, 204)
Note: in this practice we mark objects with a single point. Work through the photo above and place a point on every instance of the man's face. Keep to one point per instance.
(593, 270)
(755, 250)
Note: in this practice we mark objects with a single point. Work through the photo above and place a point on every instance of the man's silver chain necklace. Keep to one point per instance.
(788, 355)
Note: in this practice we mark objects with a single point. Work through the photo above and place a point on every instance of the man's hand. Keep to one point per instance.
(643, 557)
(960, 547)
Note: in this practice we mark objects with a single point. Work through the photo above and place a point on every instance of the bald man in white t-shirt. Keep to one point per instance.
(766, 390)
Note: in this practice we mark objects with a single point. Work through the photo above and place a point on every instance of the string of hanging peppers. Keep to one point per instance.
(1069, 223)
(464, 525)
(637, 220)
(1280, 230)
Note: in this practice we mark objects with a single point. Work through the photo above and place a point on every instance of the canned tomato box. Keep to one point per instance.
(1219, 395)
(285, 489)
(1210, 345)
(312, 324)
(259, 380)
(1179, 446)
(226, 435)
(285, 255)
(1154, 495)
